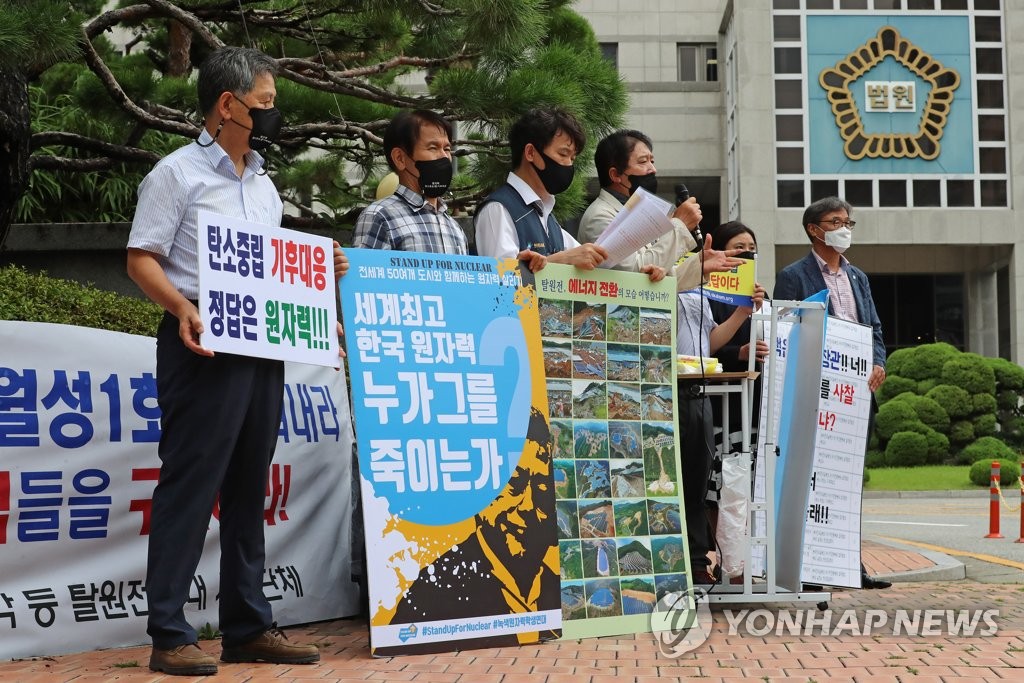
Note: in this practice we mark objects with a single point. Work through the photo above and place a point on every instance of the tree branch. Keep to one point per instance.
(75, 141)
(120, 97)
(363, 91)
(436, 9)
(371, 69)
(190, 20)
(326, 130)
(108, 20)
(48, 163)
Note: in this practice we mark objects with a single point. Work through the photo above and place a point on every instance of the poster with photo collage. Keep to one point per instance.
(608, 340)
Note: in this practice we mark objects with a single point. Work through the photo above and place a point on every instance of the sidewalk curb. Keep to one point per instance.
(964, 493)
(946, 567)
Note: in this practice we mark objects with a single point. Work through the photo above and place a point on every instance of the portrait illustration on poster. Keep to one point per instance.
(455, 464)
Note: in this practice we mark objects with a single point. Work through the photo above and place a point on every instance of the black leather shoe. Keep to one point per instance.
(871, 582)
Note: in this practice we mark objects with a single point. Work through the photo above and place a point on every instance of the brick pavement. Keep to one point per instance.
(845, 656)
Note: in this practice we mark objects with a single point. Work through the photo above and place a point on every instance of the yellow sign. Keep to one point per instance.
(734, 287)
(838, 80)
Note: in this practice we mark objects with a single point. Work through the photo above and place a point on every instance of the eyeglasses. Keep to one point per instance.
(837, 223)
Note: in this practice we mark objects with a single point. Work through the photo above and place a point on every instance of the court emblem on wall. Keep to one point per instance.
(840, 80)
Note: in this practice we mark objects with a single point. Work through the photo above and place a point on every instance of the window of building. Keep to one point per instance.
(824, 188)
(858, 193)
(789, 95)
(789, 160)
(698, 62)
(892, 193)
(927, 193)
(988, 29)
(787, 27)
(920, 309)
(610, 51)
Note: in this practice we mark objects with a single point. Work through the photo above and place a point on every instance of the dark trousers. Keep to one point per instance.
(696, 438)
(219, 421)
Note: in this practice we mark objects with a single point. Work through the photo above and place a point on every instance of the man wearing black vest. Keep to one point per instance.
(518, 216)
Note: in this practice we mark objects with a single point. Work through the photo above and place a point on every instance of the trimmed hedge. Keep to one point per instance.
(981, 472)
(906, 449)
(928, 410)
(1008, 375)
(924, 361)
(987, 447)
(39, 298)
(894, 386)
(954, 400)
(961, 431)
(971, 372)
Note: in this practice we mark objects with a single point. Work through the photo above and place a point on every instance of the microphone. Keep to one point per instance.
(682, 194)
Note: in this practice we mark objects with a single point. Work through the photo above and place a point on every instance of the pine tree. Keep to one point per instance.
(102, 116)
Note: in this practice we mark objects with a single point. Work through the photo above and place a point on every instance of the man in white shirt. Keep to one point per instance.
(518, 215)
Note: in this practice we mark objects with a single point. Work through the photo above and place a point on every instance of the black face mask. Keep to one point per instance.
(555, 177)
(649, 182)
(435, 176)
(266, 126)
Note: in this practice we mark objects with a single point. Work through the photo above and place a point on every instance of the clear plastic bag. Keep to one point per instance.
(733, 533)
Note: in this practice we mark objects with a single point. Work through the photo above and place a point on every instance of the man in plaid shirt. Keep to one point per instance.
(417, 146)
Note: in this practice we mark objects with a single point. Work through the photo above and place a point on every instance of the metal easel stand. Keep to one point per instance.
(768, 591)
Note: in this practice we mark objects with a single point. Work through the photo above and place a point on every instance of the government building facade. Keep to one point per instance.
(902, 107)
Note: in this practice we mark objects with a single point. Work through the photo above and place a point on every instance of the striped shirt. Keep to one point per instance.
(405, 221)
(840, 291)
(694, 324)
(187, 180)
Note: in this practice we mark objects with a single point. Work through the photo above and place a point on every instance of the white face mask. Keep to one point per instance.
(839, 239)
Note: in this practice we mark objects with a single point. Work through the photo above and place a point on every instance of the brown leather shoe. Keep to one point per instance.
(184, 660)
(273, 647)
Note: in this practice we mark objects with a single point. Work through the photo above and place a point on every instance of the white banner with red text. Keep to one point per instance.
(79, 427)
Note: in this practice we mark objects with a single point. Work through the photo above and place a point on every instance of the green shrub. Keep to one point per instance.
(893, 386)
(1007, 399)
(984, 425)
(928, 411)
(926, 385)
(874, 458)
(1012, 430)
(984, 403)
(954, 400)
(971, 372)
(987, 447)
(1008, 375)
(926, 361)
(981, 472)
(906, 449)
(961, 432)
(892, 417)
(938, 444)
(38, 298)
(896, 361)
(867, 476)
